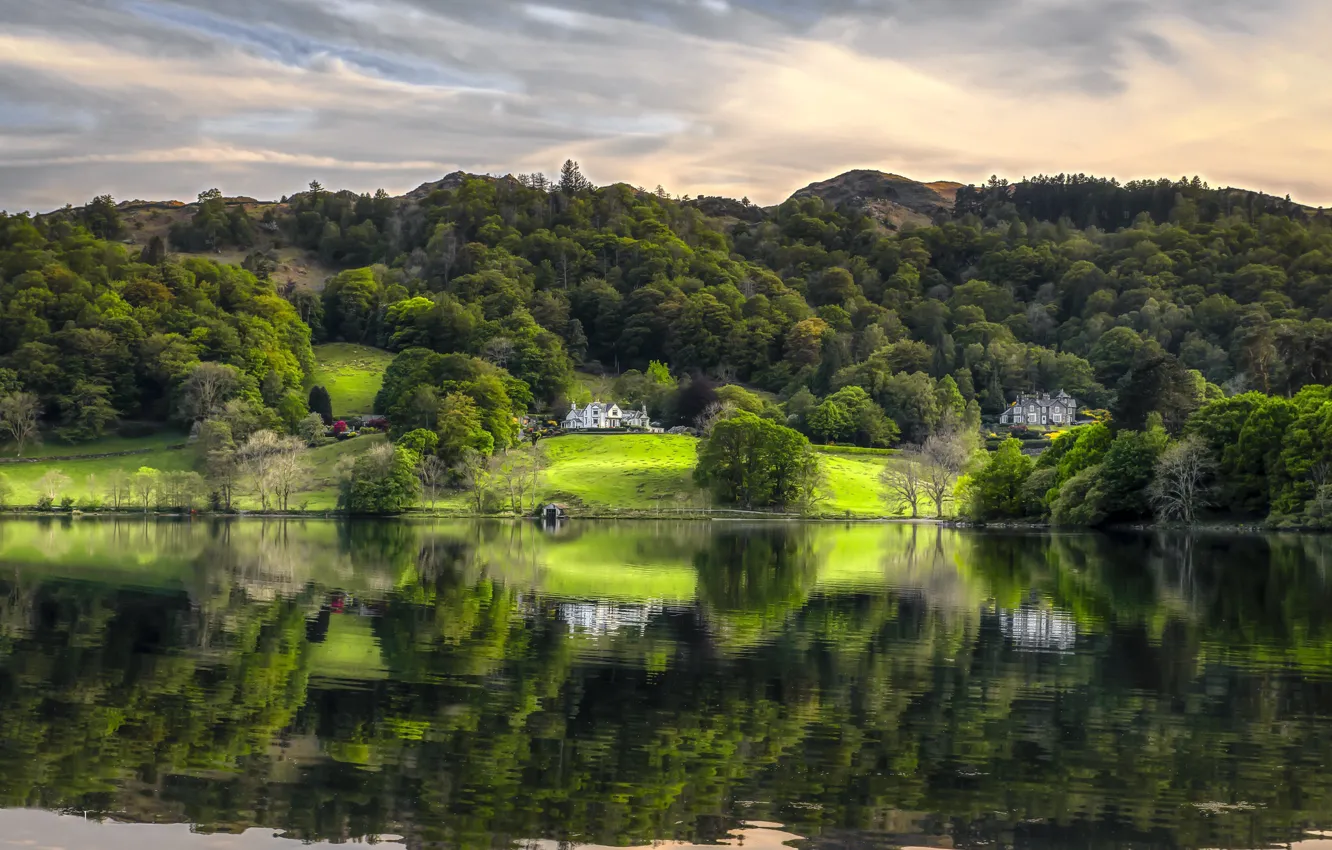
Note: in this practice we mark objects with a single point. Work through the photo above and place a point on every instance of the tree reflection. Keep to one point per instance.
(1021, 689)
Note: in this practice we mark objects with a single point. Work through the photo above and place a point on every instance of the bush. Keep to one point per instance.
(1081, 500)
(44, 503)
(66, 503)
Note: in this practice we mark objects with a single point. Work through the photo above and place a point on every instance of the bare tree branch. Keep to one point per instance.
(1178, 491)
(903, 479)
(19, 417)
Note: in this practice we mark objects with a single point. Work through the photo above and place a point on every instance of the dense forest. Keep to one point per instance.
(1138, 299)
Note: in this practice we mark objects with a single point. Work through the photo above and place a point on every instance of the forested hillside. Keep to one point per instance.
(834, 314)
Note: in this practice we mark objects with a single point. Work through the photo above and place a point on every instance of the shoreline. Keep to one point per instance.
(718, 515)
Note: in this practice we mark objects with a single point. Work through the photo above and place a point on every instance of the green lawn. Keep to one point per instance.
(853, 482)
(352, 374)
(635, 471)
(647, 472)
(89, 477)
(602, 474)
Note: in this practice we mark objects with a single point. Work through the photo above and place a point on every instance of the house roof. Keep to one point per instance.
(1044, 400)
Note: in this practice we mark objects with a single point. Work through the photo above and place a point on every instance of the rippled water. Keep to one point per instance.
(253, 683)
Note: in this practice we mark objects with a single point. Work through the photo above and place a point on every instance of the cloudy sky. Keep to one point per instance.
(154, 99)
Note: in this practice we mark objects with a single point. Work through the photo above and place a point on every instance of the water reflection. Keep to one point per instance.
(490, 685)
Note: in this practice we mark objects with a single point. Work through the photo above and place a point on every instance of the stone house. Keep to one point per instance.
(1042, 411)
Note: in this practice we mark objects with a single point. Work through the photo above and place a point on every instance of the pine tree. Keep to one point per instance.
(155, 253)
(321, 403)
(572, 181)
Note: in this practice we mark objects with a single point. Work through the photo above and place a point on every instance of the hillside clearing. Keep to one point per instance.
(144, 220)
(352, 374)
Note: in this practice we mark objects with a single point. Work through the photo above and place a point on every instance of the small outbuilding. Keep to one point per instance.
(554, 513)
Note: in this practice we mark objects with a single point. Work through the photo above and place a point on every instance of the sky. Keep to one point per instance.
(153, 99)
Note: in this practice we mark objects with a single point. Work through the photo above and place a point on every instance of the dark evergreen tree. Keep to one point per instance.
(321, 403)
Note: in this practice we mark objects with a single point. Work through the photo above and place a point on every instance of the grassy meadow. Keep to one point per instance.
(352, 374)
(595, 474)
(649, 472)
(633, 471)
(88, 478)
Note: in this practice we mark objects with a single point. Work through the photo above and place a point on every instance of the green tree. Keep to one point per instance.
(86, 411)
(1126, 473)
(321, 403)
(460, 428)
(995, 490)
(144, 485)
(831, 422)
(421, 441)
(870, 427)
(752, 462)
(381, 481)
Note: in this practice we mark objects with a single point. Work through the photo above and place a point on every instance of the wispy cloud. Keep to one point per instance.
(148, 98)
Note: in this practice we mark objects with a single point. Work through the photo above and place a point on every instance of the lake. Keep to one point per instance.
(475, 685)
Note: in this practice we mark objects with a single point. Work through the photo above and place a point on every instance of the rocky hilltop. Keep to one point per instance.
(891, 198)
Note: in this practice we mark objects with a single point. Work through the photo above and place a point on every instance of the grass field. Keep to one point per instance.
(352, 374)
(649, 472)
(88, 478)
(636, 472)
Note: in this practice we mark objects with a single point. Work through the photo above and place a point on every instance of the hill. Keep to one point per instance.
(286, 264)
(891, 199)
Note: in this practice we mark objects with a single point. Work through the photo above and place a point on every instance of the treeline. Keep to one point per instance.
(1088, 201)
(1248, 457)
(841, 328)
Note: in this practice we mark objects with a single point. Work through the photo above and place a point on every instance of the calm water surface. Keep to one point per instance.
(253, 684)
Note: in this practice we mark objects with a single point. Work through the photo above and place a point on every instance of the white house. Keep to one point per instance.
(1042, 411)
(637, 418)
(599, 415)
